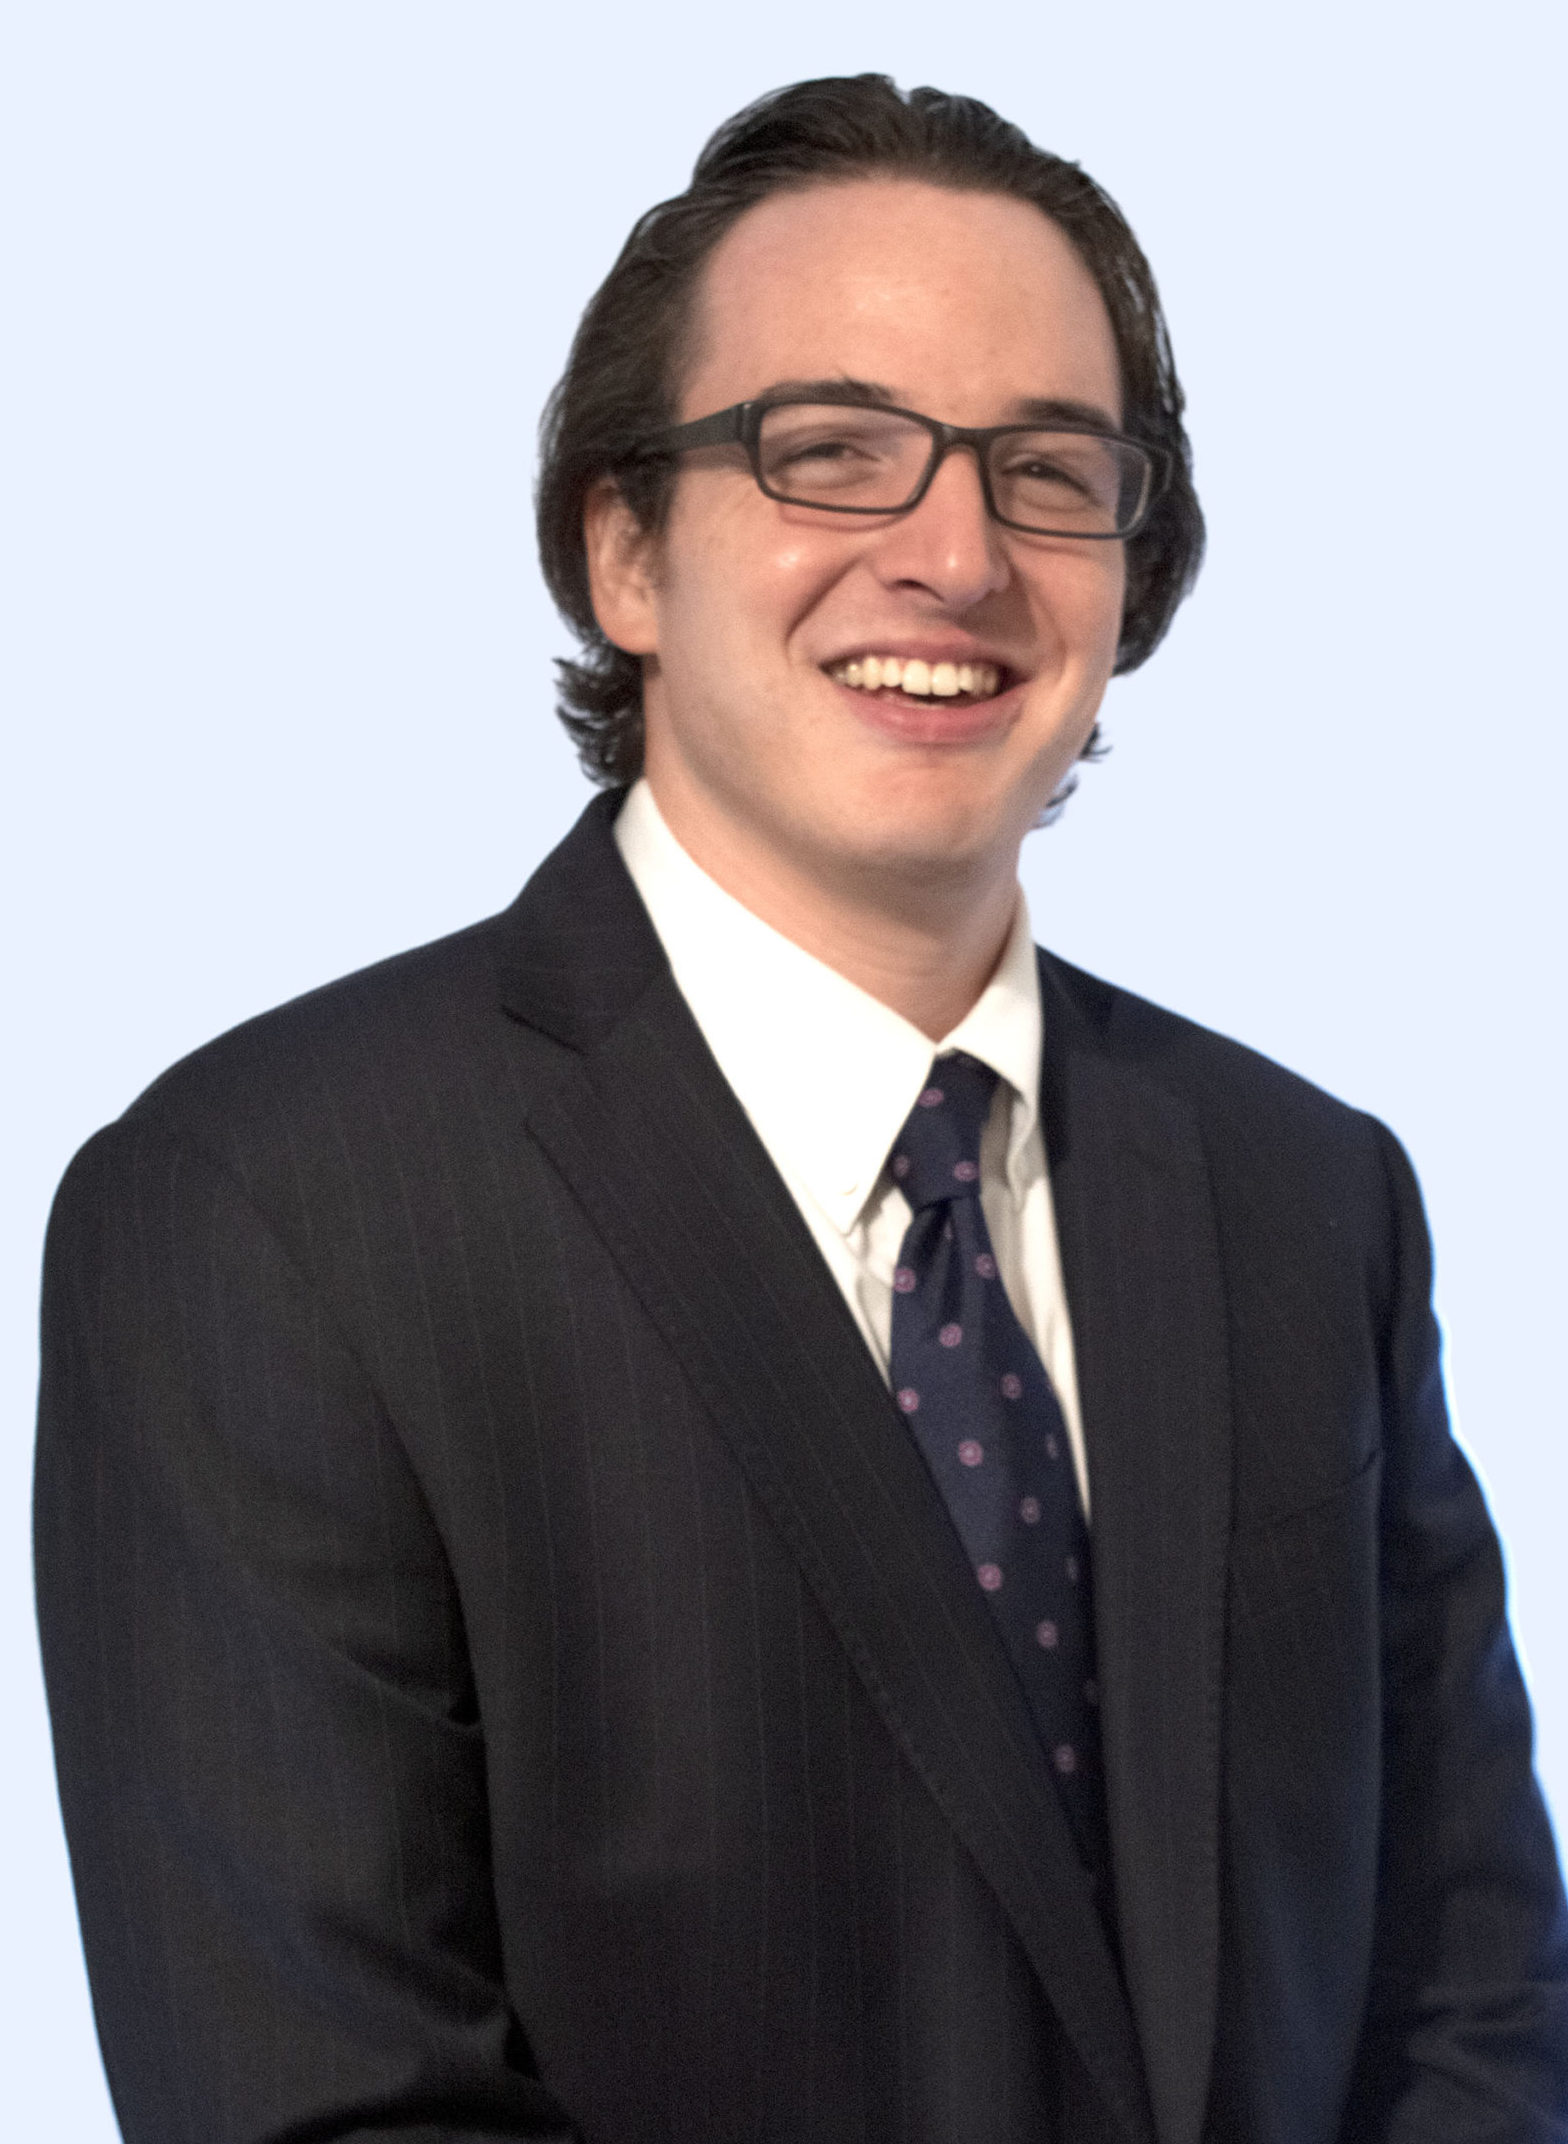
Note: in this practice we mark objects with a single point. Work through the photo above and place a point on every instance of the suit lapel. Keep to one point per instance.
(647, 1134)
(1140, 1255)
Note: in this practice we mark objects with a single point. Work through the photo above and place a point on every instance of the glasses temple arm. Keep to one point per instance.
(720, 430)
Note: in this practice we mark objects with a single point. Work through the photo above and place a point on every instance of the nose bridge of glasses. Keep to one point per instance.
(972, 440)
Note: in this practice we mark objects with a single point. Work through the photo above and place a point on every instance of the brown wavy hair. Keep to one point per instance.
(621, 382)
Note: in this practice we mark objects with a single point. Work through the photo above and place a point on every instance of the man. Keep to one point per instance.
(729, 1507)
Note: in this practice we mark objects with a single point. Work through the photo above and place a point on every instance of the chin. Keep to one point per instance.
(930, 848)
(945, 827)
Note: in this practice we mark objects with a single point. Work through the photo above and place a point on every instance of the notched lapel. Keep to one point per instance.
(1140, 1255)
(723, 1263)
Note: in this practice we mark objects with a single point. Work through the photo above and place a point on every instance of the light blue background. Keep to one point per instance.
(285, 287)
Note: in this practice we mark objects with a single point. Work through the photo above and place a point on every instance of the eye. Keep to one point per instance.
(801, 453)
(859, 456)
(1041, 471)
(1067, 480)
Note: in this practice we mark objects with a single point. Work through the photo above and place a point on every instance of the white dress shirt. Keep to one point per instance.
(827, 1074)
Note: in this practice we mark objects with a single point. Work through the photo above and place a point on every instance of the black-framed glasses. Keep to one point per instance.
(870, 458)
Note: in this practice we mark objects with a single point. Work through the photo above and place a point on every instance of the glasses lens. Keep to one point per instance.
(826, 454)
(1070, 483)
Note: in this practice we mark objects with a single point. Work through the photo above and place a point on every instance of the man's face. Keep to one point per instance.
(966, 307)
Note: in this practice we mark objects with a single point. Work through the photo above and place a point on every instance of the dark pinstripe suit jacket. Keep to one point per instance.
(513, 1677)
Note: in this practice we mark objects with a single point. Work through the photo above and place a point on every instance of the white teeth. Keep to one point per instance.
(944, 680)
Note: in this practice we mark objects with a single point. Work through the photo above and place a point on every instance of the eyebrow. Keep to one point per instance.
(841, 389)
(1028, 409)
(1055, 410)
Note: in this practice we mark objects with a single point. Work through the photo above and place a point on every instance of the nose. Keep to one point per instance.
(948, 544)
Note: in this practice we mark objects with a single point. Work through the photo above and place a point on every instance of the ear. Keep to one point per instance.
(620, 553)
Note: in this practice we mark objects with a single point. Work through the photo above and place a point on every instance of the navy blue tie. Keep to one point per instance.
(988, 1423)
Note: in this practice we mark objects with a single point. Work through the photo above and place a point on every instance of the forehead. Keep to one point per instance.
(958, 304)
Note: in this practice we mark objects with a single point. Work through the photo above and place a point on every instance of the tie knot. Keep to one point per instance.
(937, 1154)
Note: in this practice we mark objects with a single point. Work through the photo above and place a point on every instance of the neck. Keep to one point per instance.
(926, 949)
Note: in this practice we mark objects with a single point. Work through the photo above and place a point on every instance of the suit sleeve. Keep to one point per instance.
(1467, 2038)
(271, 1768)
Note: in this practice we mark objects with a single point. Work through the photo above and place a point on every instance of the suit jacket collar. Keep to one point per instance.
(1145, 1288)
(724, 1265)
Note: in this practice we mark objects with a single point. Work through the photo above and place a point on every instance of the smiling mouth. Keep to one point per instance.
(919, 680)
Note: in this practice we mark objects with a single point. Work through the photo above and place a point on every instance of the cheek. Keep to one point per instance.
(778, 571)
(725, 582)
(763, 568)
(1082, 605)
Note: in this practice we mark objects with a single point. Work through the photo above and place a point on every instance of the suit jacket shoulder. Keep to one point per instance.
(1226, 1079)
(1320, 1192)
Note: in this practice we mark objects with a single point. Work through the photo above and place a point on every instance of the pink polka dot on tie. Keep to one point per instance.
(1052, 1449)
(900, 1166)
(1065, 1758)
(1046, 1635)
(904, 1280)
(966, 1171)
(990, 1576)
(970, 1452)
(1071, 1568)
(1029, 1511)
(985, 1266)
(932, 1098)
(950, 1335)
(1012, 1387)
(909, 1399)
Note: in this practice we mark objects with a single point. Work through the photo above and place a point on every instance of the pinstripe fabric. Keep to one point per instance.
(513, 1679)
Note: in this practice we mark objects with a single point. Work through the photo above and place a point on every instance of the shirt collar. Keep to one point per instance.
(826, 1072)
